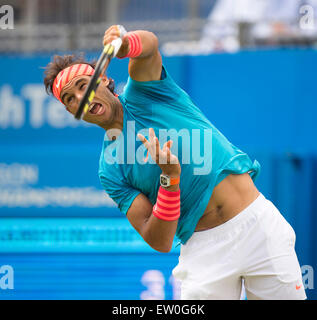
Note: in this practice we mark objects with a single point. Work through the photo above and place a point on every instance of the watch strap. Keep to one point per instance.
(174, 181)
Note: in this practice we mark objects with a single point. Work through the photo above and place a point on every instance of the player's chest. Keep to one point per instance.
(144, 177)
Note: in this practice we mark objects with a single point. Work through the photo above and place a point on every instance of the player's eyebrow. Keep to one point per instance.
(76, 84)
(78, 81)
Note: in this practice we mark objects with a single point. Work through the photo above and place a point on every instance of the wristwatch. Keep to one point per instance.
(167, 181)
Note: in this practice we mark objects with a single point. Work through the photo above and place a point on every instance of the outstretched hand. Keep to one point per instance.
(164, 158)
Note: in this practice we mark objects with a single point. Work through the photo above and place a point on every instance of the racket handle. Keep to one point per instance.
(118, 42)
(117, 45)
(122, 30)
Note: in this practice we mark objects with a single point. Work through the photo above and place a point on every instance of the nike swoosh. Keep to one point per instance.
(298, 287)
(59, 81)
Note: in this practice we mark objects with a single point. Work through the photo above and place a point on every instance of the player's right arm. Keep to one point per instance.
(147, 65)
(158, 232)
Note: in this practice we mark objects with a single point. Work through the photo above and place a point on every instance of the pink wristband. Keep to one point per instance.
(135, 45)
(167, 206)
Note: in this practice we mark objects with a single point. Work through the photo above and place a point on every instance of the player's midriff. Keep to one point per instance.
(231, 196)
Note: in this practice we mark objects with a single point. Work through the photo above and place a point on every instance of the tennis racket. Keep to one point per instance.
(110, 50)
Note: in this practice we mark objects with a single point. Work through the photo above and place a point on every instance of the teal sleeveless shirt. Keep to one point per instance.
(205, 155)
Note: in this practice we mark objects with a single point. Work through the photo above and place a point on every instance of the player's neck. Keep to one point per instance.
(117, 122)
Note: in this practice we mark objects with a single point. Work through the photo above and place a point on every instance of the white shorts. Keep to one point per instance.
(256, 246)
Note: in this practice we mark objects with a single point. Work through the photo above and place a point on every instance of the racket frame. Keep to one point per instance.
(110, 50)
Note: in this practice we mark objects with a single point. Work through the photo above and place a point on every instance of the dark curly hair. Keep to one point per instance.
(61, 62)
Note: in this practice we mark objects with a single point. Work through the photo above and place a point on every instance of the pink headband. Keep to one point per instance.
(68, 74)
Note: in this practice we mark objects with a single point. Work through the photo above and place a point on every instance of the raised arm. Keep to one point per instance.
(145, 59)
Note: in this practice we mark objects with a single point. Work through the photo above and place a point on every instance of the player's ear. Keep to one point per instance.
(68, 109)
(105, 80)
(111, 85)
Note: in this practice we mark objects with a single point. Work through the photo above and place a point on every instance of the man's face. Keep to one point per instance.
(101, 109)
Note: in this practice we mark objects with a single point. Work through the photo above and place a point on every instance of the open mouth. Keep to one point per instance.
(96, 108)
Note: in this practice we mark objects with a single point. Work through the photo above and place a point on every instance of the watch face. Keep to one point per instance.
(164, 181)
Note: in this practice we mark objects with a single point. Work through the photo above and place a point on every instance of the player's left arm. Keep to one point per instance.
(147, 66)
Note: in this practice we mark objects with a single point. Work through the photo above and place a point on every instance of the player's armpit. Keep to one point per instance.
(159, 234)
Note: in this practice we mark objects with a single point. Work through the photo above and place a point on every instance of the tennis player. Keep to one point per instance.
(228, 230)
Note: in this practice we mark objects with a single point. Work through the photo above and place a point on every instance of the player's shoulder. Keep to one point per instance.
(145, 92)
(152, 84)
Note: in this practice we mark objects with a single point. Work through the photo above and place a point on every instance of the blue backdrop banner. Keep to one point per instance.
(51, 200)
